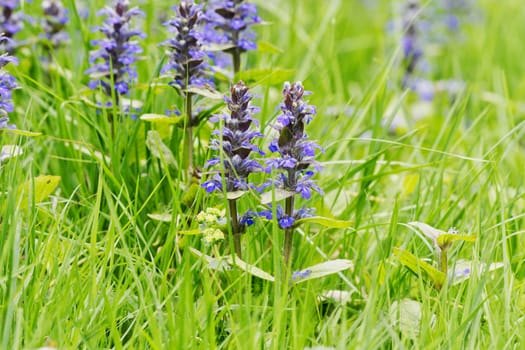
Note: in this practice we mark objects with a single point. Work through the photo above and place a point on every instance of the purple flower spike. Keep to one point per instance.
(296, 152)
(235, 140)
(112, 68)
(55, 20)
(11, 22)
(186, 55)
(228, 23)
(7, 84)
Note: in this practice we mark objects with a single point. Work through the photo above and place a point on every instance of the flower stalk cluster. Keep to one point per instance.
(187, 62)
(54, 23)
(295, 164)
(112, 63)
(228, 23)
(234, 141)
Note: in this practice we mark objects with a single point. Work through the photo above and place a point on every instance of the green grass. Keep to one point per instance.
(88, 269)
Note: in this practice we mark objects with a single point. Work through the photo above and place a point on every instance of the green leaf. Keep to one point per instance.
(446, 239)
(161, 118)
(163, 217)
(267, 47)
(280, 195)
(251, 269)
(206, 92)
(235, 194)
(323, 269)
(421, 268)
(159, 150)
(405, 315)
(23, 132)
(271, 76)
(39, 188)
(429, 231)
(327, 222)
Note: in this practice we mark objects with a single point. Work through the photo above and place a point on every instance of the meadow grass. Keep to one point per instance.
(89, 269)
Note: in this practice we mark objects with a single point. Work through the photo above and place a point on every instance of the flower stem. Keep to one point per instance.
(232, 203)
(236, 62)
(288, 233)
(188, 139)
(443, 261)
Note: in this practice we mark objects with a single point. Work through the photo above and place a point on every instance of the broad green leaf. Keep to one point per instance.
(421, 268)
(406, 316)
(271, 76)
(39, 187)
(280, 195)
(446, 239)
(429, 231)
(161, 118)
(235, 194)
(252, 270)
(163, 217)
(321, 270)
(327, 222)
(206, 92)
(267, 47)
(158, 149)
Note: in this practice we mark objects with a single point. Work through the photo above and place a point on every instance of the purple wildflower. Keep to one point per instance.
(410, 42)
(11, 21)
(186, 56)
(112, 68)
(286, 221)
(235, 141)
(7, 84)
(296, 152)
(228, 23)
(54, 23)
(301, 274)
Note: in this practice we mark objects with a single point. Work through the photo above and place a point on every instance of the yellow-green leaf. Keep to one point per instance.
(327, 222)
(160, 118)
(446, 239)
(163, 217)
(251, 269)
(23, 132)
(39, 187)
(421, 267)
(321, 270)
